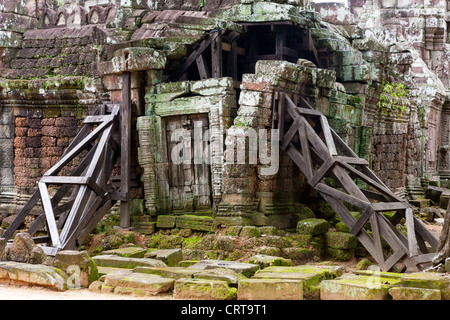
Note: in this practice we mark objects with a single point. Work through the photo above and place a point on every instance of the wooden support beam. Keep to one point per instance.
(210, 37)
(202, 67)
(327, 134)
(216, 57)
(125, 146)
(342, 196)
(79, 147)
(323, 170)
(412, 242)
(21, 216)
(306, 150)
(50, 217)
(290, 133)
(362, 220)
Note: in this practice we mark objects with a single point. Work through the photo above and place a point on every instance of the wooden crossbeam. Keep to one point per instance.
(209, 39)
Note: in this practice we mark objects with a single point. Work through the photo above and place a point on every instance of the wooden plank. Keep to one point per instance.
(291, 108)
(390, 206)
(22, 215)
(298, 159)
(95, 119)
(313, 49)
(64, 180)
(202, 67)
(281, 115)
(309, 112)
(323, 170)
(352, 160)
(426, 235)
(393, 259)
(371, 182)
(348, 184)
(216, 57)
(87, 214)
(285, 51)
(320, 147)
(194, 55)
(327, 135)
(376, 236)
(93, 222)
(79, 147)
(50, 217)
(232, 63)
(421, 243)
(37, 223)
(342, 196)
(393, 237)
(83, 194)
(423, 258)
(125, 147)
(95, 187)
(290, 133)
(305, 150)
(374, 195)
(362, 220)
(275, 116)
(349, 220)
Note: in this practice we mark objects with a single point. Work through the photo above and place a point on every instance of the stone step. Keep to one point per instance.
(125, 262)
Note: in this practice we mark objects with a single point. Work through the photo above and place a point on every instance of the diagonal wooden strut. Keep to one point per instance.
(88, 190)
(320, 153)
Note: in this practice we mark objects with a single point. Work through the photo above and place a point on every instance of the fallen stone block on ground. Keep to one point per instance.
(270, 289)
(310, 277)
(124, 262)
(18, 273)
(428, 280)
(129, 252)
(357, 287)
(408, 293)
(228, 275)
(200, 289)
(167, 272)
(79, 265)
(138, 283)
(171, 257)
(265, 261)
(246, 269)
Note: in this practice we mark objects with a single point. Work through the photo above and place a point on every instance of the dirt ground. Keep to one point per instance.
(36, 293)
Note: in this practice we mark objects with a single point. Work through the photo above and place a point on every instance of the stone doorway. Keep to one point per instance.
(190, 178)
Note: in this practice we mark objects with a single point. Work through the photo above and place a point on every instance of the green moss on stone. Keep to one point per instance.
(312, 226)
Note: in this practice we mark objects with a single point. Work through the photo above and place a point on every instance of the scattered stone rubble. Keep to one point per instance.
(142, 272)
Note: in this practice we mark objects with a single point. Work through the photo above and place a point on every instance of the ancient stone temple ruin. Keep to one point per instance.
(204, 115)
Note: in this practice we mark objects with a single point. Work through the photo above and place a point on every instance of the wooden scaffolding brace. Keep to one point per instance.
(87, 193)
(319, 152)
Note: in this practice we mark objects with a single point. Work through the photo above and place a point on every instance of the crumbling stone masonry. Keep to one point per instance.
(212, 70)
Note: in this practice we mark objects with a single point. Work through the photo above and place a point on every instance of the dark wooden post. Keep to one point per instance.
(216, 57)
(125, 143)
